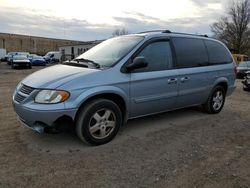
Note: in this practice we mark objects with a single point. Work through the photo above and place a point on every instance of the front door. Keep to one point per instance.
(154, 88)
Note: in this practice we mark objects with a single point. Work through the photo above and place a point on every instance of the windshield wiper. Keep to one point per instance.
(75, 63)
(88, 61)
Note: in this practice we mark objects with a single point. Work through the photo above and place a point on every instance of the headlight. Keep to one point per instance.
(51, 96)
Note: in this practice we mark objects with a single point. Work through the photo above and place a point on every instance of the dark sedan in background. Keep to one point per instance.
(38, 60)
(243, 67)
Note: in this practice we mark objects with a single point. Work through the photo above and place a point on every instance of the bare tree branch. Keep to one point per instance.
(233, 29)
(119, 32)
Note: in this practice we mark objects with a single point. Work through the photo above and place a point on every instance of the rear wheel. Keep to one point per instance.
(215, 101)
(98, 121)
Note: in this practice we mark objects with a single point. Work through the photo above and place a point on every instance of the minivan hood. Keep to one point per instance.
(55, 76)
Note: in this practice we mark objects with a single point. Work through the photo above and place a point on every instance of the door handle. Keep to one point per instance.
(172, 81)
(184, 79)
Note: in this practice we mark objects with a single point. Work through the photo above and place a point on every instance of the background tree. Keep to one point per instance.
(233, 29)
(119, 32)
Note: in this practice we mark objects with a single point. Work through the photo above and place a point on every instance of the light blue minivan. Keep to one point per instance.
(127, 77)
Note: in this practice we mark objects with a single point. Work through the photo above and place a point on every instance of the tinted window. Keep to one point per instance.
(158, 56)
(190, 52)
(217, 53)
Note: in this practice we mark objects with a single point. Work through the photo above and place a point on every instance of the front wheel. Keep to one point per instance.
(215, 101)
(98, 121)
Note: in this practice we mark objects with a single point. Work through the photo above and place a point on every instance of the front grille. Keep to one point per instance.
(19, 98)
(22, 93)
(26, 89)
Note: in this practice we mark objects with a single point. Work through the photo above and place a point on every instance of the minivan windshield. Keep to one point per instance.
(111, 51)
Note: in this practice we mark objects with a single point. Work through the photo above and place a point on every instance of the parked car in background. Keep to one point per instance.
(20, 61)
(30, 56)
(9, 57)
(243, 67)
(12, 54)
(5, 58)
(246, 82)
(124, 78)
(239, 58)
(38, 60)
(2, 54)
(53, 57)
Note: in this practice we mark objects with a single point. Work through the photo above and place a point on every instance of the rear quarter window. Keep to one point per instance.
(217, 53)
(190, 52)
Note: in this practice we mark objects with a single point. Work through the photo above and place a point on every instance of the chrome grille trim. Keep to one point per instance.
(23, 92)
(26, 89)
(19, 98)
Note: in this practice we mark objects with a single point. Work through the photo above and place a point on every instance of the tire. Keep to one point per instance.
(210, 106)
(12, 66)
(92, 116)
(29, 66)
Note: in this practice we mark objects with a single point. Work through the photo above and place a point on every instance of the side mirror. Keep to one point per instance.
(138, 62)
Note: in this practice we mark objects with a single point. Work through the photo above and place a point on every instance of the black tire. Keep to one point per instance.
(85, 118)
(30, 66)
(209, 105)
(246, 88)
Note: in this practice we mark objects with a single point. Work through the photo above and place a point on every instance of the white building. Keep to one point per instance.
(72, 51)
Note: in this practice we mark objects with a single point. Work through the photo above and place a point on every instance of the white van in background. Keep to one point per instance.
(2, 53)
(52, 57)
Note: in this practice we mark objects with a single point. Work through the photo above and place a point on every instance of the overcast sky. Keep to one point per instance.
(97, 19)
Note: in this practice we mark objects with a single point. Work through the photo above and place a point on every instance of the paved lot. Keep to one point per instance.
(185, 148)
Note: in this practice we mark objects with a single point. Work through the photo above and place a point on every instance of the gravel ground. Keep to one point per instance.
(184, 148)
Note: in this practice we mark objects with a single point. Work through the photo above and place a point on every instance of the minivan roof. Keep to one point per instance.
(159, 33)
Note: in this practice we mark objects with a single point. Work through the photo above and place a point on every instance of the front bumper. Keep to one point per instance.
(39, 120)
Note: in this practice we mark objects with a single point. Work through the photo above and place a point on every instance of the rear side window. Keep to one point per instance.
(217, 53)
(190, 52)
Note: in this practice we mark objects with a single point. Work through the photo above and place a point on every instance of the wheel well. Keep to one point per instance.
(110, 96)
(224, 85)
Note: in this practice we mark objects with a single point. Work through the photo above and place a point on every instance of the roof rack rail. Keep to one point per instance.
(187, 34)
(168, 31)
(152, 31)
